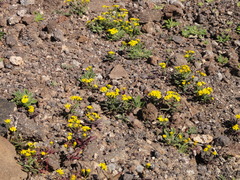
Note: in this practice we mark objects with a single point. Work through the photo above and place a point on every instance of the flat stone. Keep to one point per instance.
(10, 169)
(179, 39)
(179, 60)
(150, 112)
(118, 72)
(204, 138)
(153, 60)
(27, 2)
(222, 141)
(16, 60)
(14, 20)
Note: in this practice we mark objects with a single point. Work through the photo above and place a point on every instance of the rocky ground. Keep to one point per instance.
(48, 56)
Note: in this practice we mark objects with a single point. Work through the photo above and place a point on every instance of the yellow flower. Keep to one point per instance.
(73, 177)
(148, 165)
(214, 153)
(65, 145)
(155, 93)
(7, 121)
(161, 119)
(201, 73)
(31, 109)
(187, 55)
(95, 86)
(112, 31)
(235, 127)
(163, 65)
(103, 166)
(205, 91)
(105, 6)
(133, 42)
(183, 69)
(13, 129)
(51, 142)
(103, 89)
(69, 137)
(78, 98)
(126, 97)
(206, 149)
(60, 171)
(116, 6)
(195, 143)
(172, 95)
(67, 106)
(85, 128)
(237, 116)
(111, 52)
(164, 136)
(43, 153)
(88, 68)
(24, 99)
(200, 83)
(74, 143)
(89, 107)
(180, 136)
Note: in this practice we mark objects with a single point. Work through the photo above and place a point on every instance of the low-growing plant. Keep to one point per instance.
(193, 31)
(38, 17)
(78, 7)
(189, 55)
(87, 78)
(182, 77)
(111, 56)
(223, 38)
(178, 140)
(25, 99)
(221, 59)
(2, 33)
(237, 29)
(135, 49)
(114, 24)
(118, 102)
(203, 93)
(170, 23)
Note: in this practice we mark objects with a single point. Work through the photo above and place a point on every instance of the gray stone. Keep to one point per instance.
(128, 176)
(150, 112)
(58, 35)
(179, 39)
(27, 2)
(53, 161)
(6, 108)
(153, 60)
(22, 12)
(11, 40)
(16, 60)
(10, 169)
(118, 72)
(111, 167)
(179, 60)
(222, 141)
(14, 20)
(149, 28)
(139, 168)
(1, 64)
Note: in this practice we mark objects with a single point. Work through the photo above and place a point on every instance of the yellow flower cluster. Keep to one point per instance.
(31, 109)
(155, 94)
(85, 80)
(126, 97)
(81, 1)
(237, 116)
(60, 171)
(28, 152)
(162, 119)
(208, 148)
(92, 116)
(13, 129)
(110, 94)
(103, 166)
(85, 172)
(111, 53)
(162, 65)
(7, 121)
(201, 73)
(183, 69)
(205, 91)
(24, 99)
(134, 42)
(112, 31)
(74, 122)
(172, 95)
(189, 53)
(200, 83)
(235, 127)
(77, 98)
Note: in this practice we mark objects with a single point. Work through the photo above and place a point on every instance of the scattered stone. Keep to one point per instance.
(10, 169)
(128, 176)
(27, 19)
(222, 141)
(171, 10)
(27, 2)
(138, 124)
(147, 16)
(83, 39)
(14, 20)
(1, 64)
(150, 112)
(153, 60)
(11, 40)
(179, 60)
(233, 150)
(149, 28)
(204, 138)
(58, 35)
(139, 168)
(179, 39)
(53, 161)
(16, 60)
(22, 12)
(118, 72)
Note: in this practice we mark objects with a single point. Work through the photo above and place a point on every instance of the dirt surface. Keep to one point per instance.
(48, 57)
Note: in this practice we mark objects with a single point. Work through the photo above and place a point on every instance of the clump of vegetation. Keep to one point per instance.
(135, 49)
(38, 17)
(78, 7)
(223, 38)
(115, 24)
(222, 60)
(25, 99)
(170, 23)
(193, 31)
(237, 29)
(87, 79)
(2, 33)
